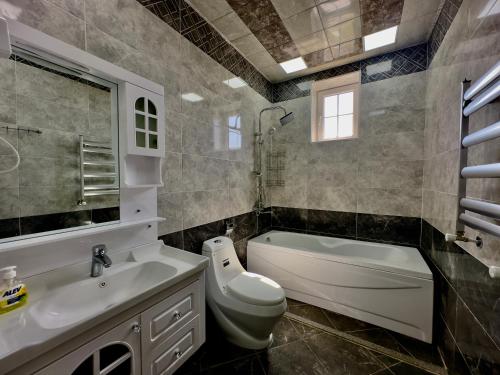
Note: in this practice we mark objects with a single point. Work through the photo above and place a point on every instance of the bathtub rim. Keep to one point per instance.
(260, 241)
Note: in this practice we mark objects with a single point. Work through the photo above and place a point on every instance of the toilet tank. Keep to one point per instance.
(224, 262)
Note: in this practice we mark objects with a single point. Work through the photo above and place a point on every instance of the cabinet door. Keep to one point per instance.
(117, 352)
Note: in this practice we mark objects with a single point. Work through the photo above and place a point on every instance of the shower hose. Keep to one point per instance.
(17, 155)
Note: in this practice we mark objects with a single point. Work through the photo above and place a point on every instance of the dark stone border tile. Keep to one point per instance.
(394, 229)
(332, 222)
(45, 223)
(9, 228)
(292, 218)
(194, 237)
(103, 215)
(175, 239)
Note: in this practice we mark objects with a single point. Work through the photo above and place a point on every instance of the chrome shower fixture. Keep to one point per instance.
(259, 143)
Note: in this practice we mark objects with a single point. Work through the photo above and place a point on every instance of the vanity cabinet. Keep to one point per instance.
(116, 352)
(155, 341)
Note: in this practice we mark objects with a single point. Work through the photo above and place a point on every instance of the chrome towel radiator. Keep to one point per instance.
(474, 97)
(97, 162)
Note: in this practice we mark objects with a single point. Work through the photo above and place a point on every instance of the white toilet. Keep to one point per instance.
(246, 305)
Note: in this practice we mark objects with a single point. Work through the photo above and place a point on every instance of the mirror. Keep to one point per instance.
(60, 126)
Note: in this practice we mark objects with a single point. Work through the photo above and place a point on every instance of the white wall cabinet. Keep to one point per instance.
(155, 342)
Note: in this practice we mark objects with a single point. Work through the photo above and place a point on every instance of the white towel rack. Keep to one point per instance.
(473, 97)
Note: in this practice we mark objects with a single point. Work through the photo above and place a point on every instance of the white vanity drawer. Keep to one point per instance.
(165, 318)
(172, 353)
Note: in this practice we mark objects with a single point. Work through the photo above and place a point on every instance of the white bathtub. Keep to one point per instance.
(386, 285)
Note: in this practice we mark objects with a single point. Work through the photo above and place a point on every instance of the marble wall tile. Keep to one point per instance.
(390, 174)
(7, 106)
(283, 217)
(9, 228)
(41, 14)
(202, 173)
(394, 229)
(171, 170)
(173, 131)
(204, 207)
(332, 222)
(9, 203)
(397, 202)
(75, 7)
(170, 206)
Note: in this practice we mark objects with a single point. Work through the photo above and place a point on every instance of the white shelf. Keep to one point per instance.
(76, 232)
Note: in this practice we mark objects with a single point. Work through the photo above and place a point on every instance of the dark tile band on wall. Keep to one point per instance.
(186, 21)
(467, 310)
(446, 16)
(399, 230)
(388, 65)
(245, 226)
(63, 220)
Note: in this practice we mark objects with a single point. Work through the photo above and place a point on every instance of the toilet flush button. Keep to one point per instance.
(218, 241)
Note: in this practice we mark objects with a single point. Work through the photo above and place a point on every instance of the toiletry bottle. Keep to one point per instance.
(13, 293)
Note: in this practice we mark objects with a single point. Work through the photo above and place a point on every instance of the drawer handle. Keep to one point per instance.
(178, 353)
(177, 315)
(136, 328)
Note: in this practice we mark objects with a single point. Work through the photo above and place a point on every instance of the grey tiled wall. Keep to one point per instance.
(380, 172)
(205, 180)
(469, 295)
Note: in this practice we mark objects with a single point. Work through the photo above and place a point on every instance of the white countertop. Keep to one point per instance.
(24, 335)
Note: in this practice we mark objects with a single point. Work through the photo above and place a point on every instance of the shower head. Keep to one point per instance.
(289, 117)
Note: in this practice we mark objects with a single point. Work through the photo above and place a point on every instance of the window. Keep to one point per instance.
(234, 123)
(146, 124)
(334, 112)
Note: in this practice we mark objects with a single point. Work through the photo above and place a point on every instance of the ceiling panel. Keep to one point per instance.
(326, 33)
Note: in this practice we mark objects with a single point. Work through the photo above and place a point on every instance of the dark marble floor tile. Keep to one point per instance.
(347, 324)
(304, 330)
(194, 237)
(403, 369)
(382, 337)
(393, 229)
(284, 332)
(9, 228)
(419, 349)
(332, 222)
(451, 354)
(313, 313)
(175, 239)
(292, 359)
(246, 366)
(293, 218)
(342, 357)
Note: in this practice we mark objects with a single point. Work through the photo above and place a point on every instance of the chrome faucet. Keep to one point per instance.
(99, 260)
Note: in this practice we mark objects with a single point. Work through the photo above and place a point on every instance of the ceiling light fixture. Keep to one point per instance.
(380, 38)
(235, 83)
(192, 97)
(293, 65)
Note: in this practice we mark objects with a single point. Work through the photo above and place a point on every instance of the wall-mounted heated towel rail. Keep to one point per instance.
(97, 163)
(474, 97)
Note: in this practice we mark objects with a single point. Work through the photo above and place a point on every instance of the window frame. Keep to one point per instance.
(350, 82)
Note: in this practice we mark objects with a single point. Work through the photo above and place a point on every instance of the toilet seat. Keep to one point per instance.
(255, 289)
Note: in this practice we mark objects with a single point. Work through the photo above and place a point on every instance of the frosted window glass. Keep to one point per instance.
(330, 106)
(346, 103)
(330, 128)
(345, 126)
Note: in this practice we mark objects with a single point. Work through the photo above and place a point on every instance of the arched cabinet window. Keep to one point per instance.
(146, 124)
(145, 118)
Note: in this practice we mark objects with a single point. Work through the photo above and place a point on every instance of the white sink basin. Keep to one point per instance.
(78, 300)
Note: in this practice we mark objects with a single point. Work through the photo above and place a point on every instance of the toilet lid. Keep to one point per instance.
(256, 289)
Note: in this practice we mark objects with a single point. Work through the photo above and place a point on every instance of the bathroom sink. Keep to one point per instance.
(88, 297)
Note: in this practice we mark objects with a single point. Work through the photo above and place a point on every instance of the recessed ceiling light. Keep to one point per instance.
(380, 38)
(293, 65)
(192, 97)
(235, 83)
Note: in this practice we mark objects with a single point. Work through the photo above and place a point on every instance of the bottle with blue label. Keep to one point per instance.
(13, 293)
